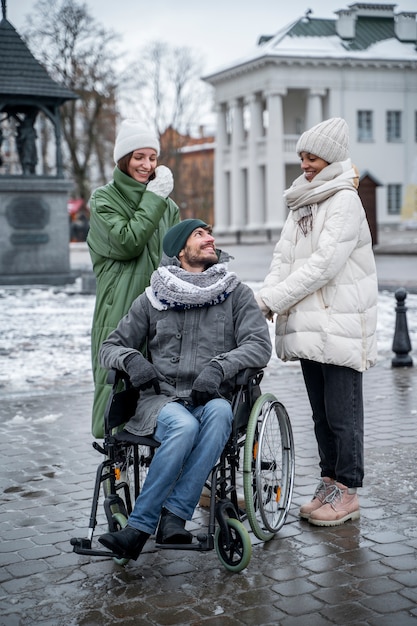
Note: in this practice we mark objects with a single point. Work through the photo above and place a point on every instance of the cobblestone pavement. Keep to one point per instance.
(364, 572)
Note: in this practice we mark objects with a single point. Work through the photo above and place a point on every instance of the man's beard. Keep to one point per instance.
(194, 260)
(210, 264)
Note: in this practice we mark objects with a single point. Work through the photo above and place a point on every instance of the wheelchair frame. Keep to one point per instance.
(261, 430)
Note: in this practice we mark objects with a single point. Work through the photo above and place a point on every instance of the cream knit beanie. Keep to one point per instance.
(133, 135)
(328, 140)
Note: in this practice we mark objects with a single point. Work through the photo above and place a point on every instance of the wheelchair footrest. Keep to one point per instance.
(205, 543)
(82, 545)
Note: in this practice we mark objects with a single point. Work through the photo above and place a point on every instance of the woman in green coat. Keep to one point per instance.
(129, 218)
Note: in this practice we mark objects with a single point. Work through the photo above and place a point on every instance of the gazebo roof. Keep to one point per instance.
(22, 78)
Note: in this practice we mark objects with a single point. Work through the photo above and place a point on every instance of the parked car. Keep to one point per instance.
(79, 217)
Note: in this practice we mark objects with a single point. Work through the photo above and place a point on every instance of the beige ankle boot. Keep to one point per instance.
(339, 507)
(324, 488)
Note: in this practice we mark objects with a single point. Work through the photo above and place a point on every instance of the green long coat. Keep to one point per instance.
(127, 226)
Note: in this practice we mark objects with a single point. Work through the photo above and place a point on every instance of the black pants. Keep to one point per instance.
(335, 395)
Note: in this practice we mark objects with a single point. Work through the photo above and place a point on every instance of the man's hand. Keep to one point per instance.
(163, 183)
(141, 372)
(207, 384)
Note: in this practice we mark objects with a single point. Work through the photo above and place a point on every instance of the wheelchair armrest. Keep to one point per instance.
(247, 390)
(114, 376)
(244, 376)
(121, 405)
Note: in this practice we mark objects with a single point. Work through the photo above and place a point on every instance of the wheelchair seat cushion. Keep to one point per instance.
(129, 438)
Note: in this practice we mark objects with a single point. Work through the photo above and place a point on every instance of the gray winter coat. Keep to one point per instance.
(182, 343)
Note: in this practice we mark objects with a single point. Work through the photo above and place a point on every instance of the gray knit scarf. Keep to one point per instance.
(174, 288)
(303, 197)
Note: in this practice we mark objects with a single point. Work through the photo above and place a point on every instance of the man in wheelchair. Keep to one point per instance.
(200, 326)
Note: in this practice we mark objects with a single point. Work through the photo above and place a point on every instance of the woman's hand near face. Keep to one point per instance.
(163, 183)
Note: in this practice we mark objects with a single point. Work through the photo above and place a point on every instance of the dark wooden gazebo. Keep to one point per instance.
(34, 221)
(25, 90)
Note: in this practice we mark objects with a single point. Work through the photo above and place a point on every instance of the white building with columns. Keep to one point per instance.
(361, 66)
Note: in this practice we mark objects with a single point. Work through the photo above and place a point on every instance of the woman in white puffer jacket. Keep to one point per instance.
(322, 285)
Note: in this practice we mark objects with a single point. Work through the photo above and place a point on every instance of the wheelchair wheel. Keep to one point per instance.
(128, 478)
(118, 488)
(268, 466)
(120, 522)
(237, 555)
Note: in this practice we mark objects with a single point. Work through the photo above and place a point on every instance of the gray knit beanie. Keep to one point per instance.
(328, 140)
(176, 237)
(132, 136)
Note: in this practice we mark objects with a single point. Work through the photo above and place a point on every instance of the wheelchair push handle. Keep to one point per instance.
(244, 376)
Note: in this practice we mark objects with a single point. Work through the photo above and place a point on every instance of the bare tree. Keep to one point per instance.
(79, 53)
(166, 81)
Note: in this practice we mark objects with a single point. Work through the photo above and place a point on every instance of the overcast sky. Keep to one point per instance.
(220, 30)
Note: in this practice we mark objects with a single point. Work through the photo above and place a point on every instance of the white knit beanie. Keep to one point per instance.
(328, 140)
(133, 135)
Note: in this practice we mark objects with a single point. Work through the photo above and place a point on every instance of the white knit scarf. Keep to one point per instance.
(303, 197)
(174, 288)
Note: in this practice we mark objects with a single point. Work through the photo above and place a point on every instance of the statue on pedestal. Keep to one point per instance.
(26, 143)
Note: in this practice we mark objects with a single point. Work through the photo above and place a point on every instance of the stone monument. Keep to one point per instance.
(34, 222)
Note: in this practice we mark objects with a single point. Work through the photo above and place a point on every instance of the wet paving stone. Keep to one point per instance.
(361, 573)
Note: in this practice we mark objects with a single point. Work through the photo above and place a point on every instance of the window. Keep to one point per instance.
(393, 125)
(394, 199)
(365, 132)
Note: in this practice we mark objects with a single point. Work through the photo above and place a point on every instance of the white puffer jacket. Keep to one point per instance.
(323, 286)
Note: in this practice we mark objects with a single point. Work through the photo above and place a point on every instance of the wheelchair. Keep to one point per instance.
(259, 454)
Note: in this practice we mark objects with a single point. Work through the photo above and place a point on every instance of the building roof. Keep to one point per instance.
(22, 77)
(363, 31)
(368, 31)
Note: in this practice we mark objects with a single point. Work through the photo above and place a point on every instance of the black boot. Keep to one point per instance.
(127, 543)
(172, 529)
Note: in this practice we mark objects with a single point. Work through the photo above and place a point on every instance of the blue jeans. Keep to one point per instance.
(335, 395)
(192, 439)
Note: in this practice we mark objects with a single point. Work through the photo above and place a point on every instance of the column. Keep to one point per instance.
(336, 103)
(221, 209)
(255, 195)
(275, 166)
(236, 174)
(314, 107)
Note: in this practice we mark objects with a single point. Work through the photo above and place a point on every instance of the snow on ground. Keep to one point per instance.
(45, 337)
